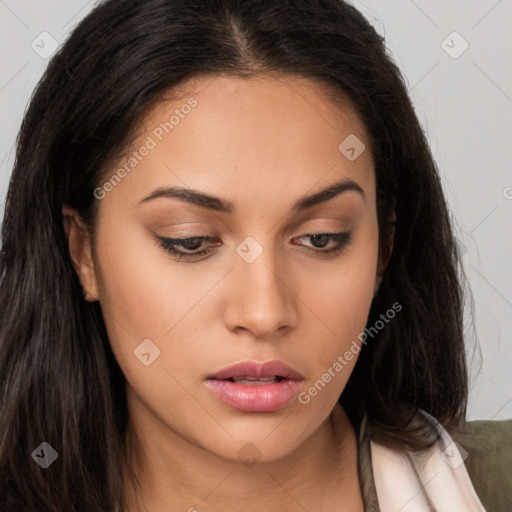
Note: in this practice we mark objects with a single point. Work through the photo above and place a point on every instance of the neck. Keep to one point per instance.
(175, 475)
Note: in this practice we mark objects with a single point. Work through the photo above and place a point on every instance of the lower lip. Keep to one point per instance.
(255, 398)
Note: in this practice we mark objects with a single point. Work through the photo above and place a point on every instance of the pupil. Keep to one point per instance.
(319, 237)
(192, 244)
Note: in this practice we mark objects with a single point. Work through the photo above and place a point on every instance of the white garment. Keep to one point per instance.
(431, 481)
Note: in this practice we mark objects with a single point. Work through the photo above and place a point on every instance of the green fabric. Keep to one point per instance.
(489, 461)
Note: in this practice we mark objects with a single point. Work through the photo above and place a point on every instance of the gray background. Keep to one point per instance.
(464, 101)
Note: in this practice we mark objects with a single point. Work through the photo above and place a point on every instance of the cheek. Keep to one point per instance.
(146, 295)
(341, 297)
(141, 287)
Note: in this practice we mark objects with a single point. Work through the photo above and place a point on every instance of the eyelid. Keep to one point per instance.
(169, 244)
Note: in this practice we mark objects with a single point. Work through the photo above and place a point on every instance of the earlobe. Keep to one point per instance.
(80, 251)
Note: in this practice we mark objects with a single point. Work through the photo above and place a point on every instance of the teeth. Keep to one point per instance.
(258, 381)
(258, 378)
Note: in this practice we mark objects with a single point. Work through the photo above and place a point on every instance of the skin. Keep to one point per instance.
(260, 143)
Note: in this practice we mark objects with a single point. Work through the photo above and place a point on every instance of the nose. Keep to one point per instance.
(261, 299)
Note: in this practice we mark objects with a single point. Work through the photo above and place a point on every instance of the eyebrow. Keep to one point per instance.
(218, 204)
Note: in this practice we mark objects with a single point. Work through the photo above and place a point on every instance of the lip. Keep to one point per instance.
(257, 397)
(256, 369)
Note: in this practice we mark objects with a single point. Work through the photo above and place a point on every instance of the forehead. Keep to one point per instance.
(259, 107)
(261, 135)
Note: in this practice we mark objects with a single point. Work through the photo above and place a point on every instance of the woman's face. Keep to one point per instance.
(259, 291)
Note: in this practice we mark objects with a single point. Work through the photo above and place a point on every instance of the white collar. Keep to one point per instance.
(435, 480)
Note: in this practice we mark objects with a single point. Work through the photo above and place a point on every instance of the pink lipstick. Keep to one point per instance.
(252, 386)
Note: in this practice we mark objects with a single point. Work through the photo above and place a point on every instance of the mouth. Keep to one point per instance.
(257, 371)
(255, 381)
(251, 386)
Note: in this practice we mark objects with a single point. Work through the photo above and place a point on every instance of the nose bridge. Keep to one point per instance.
(262, 301)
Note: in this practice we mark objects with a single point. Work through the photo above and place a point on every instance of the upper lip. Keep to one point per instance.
(255, 369)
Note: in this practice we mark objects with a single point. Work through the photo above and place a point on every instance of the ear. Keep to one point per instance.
(385, 254)
(80, 251)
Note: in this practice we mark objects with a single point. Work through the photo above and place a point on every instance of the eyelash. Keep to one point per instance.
(170, 244)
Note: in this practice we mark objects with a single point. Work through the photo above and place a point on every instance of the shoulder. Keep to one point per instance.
(488, 445)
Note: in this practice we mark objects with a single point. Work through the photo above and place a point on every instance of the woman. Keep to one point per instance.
(228, 267)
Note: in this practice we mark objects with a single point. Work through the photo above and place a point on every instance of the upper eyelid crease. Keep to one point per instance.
(217, 204)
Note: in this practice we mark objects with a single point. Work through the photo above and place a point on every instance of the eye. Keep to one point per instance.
(189, 246)
(322, 240)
